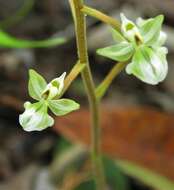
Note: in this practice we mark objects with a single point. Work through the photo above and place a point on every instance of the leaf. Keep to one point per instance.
(114, 175)
(148, 65)
(7, 41)
(86, 185)
(150, 29)
(63, 106)
(119, 52)
(18, 15)
(145, 175)
(35, 117)
(36, 84)
(151, 143)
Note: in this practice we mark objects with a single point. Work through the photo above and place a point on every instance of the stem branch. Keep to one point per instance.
(75, 71)
(101, 16)
(102, 88)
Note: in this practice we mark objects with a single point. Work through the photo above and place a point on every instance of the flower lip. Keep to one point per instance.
(35, 117)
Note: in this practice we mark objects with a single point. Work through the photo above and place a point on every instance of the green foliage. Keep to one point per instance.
(19, 15)
(7, 41)
(114, 176)
(87, 185)
(145, 175)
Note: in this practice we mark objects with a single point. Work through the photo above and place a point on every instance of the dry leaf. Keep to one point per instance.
(141, 135)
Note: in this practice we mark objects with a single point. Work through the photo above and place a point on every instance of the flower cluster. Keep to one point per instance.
(141, 44)
(35, 116)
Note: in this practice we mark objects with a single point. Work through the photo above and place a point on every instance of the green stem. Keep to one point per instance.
(102, 88)
(80, 25)
(103, 17)
(75, 71)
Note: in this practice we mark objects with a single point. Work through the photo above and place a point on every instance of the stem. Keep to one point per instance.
(101, 16)
(75, 71)
(102, 88)
(80, 24)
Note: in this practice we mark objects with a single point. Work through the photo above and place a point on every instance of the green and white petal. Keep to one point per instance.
(149, 65)
(36, 84)
(150, 29)
(129, 29)
(62, 106)
(161, 40)
(54, 88)
(119, 52)
(162, 52)
(35, 117)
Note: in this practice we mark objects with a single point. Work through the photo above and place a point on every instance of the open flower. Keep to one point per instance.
(141, 44)
(35, 116)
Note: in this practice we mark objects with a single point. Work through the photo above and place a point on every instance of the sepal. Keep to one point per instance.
(62, 106)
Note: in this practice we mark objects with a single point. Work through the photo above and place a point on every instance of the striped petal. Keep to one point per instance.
(149, 65)
(119, 52)
(35, 117)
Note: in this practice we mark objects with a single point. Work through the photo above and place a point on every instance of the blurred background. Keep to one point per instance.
(140, 115)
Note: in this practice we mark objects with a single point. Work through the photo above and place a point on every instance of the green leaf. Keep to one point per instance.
(150, 29)
(35, 117)
(62, 106)
(87, 185)
(114, 176)
(145, 175)
(117, 36)
(149, 65)
(119, 52)
(18, 15)
(7, 41)
(36, 85)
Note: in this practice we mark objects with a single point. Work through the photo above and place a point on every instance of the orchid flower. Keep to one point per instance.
(35, 116)
(140, 44)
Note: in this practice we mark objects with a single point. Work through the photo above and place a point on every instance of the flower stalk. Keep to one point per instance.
(102, 17)
(104, 85)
